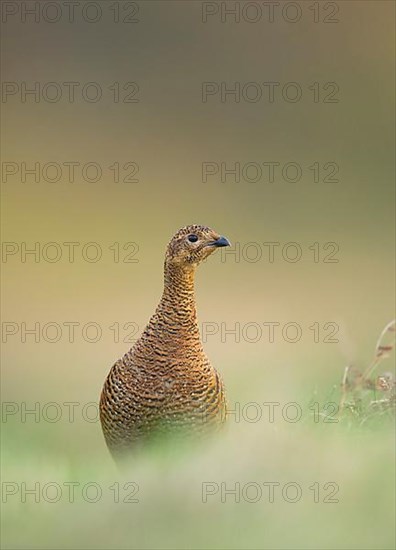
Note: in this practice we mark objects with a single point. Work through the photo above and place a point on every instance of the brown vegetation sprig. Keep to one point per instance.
(356, 384)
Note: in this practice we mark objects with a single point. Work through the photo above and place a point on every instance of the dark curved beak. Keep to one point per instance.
(221, 241)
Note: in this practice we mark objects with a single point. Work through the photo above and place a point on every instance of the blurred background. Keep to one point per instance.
(143, 147)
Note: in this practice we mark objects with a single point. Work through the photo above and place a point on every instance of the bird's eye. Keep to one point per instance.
(192, 238)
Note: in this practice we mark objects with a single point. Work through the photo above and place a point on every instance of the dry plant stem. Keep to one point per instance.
(344, 389)
(381, 351)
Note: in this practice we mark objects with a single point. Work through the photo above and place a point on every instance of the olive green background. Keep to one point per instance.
(169, 133)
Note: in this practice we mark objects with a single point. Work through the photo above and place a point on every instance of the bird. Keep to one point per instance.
(165, 384)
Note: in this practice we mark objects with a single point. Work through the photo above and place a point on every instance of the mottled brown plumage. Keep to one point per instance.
(165, 383)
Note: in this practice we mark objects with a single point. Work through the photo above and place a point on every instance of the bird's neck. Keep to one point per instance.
(178, 298)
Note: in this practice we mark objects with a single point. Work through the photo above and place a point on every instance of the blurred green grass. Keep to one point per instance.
(170, 512)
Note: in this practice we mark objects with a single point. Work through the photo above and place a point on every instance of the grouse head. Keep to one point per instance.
(193, 244)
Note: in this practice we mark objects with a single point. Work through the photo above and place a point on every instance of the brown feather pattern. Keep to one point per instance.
(166, 383)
